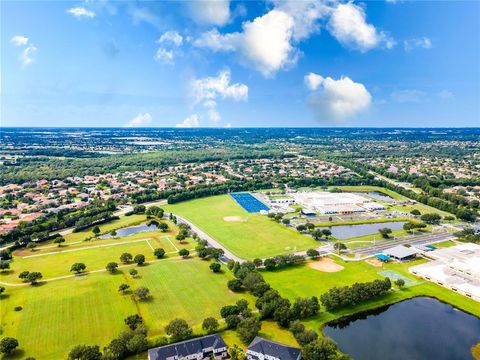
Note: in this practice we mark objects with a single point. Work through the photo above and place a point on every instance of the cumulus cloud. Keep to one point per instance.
(337, 99)
(206, 92)
(191, 121)
(215, 41)
(421, 42)
(210, 12)
(171, 37)
(19, 40)
(210, 88)
(349, 26)
(164, 56)
(140, 120)
(81, 12)
(313, 81)
(408, 96)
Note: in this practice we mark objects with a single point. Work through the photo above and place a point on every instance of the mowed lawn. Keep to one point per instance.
(94, 254)
(255, 236)
(89, 310)
(303, 281)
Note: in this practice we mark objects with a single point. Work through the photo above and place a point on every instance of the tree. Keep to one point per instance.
(236, 353)
(2, 290)
(385, 232)
(78, 267)
(258, 262)
(123, 288)
(4, 265)
(159, 253)
(23, 275)
(96, 230)
(431, 218)
(313, 254)
(215, 267)
(415, 212)
(235, 285)
(326, 232)
(137, 343)
(126, 258)
(400, 283)
(248, 329)
(33, 277)
(133, 321)
(163, 227)
(339, 246)
(139, 259)
(320, 349)
(7, 345)
(210, 325)
(133, 273)
(269, 264)
(85, 352)
(184, 253)
(31, 245)
(59, 240)
(142, 293)
(317, 234)
(179, 330)
(112, 267)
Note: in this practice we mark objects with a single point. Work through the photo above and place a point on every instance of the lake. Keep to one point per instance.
(349, 231)
(420, 328)
(130, 231)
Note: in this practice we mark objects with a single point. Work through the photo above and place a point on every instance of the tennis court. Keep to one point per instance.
(250, 203)
(394, 276)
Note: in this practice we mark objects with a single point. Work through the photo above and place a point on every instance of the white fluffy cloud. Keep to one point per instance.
(421, 42)
(313, 81)
(171, 37)
(164, 56)
(349, 26)
(210, 88)
(337, 99)
(81, 12)
(140, 120)
(207, 90)
(215, 41)
(189, 122)
(19, 40)
(210, 12)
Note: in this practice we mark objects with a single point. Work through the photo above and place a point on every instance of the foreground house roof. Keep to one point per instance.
(273, 349)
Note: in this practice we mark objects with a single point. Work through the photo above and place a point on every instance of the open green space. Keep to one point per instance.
(89, 310)
(303, 281)
(254, 235)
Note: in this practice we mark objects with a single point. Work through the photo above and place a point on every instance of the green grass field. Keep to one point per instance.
(256, 236)
(89, 310)
(303, 281)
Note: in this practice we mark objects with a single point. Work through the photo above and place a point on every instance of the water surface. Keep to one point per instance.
(130, 230)
(417, 329)
(349, 231)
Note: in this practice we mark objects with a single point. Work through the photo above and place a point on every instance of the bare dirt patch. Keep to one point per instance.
(325, 265)
(374, 262)
(234, 219)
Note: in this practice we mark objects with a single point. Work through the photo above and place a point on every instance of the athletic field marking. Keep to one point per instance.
(168, 238)
(151, 247)
(84, 248)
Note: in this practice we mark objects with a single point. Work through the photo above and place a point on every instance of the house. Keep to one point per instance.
(263, 349)
(206, 347)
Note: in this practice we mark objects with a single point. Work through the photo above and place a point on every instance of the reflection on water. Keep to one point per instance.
(349, 231)
(130, 231)
(420, 328)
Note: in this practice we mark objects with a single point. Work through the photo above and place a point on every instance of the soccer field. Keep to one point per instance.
(89, 310)
(248, 235)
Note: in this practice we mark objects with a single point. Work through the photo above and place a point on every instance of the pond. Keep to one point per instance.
(376, 195)
(130, 231)
(420, 328)
(350, 231)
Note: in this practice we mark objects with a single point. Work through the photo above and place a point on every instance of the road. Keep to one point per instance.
(211, 241)
(423, 240)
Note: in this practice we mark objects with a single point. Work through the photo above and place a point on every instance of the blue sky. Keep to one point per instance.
(240, 64)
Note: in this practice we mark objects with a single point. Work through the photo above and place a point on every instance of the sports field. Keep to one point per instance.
(305, 281)
(249, 235)
(89, 310)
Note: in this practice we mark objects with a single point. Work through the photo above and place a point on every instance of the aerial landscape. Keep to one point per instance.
(268, 180)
